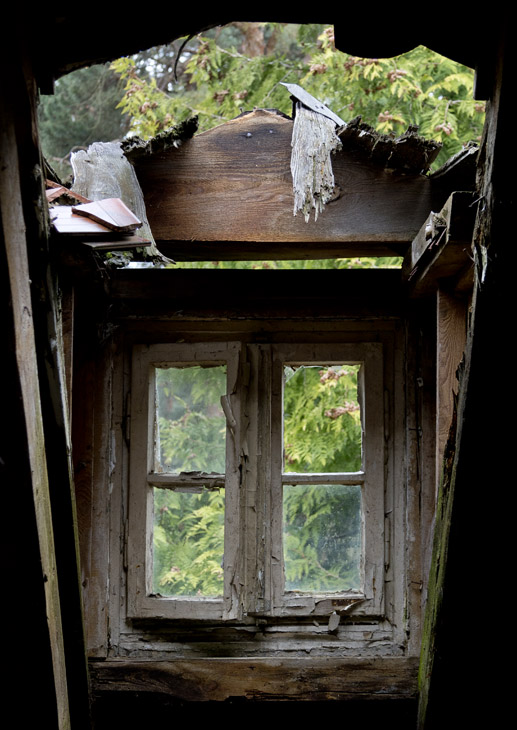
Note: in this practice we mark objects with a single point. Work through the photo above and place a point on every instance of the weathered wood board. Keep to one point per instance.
(233, 184)
(295, 679)
(442, 249)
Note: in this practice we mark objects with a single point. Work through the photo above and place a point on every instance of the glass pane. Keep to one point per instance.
(191, 426)
(188, 543)
(322, 419)
(322, 538)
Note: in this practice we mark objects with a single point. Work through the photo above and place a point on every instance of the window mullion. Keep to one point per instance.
(259, 506)
(373, 462)
(233, 529)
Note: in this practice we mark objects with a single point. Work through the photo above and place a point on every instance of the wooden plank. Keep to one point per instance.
(16, 130)
(233, 183)
(419, 458)
(300, 678)
(450, 343)
(313, 142)
(73, 229)
(111, 212)
(67, 326)
(227, 306)
(275, 293)
(442, 249)
(239, 250)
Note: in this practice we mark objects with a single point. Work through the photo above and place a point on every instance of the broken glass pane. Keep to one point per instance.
(322, 533)
(322, 419)
(190, 422)
(188, 543)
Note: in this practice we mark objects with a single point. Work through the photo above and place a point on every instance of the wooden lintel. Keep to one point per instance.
(442, 249)
(233, 184)
(237, 293)
(277, 251)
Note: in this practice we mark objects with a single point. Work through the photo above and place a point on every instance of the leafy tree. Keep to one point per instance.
(82, 110)
(322, 537)
(188, 543)
(322, 524)
(322, 425)
(189, 527)
(322, 433)
(419, 88)
(242, 65)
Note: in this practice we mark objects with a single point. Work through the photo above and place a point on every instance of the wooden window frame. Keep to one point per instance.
(142, 603)
(370, 477)
(253, 570)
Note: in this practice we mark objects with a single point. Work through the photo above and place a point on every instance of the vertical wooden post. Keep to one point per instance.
(38, 343)
(450, 343)
(471, 519)
(33, 481)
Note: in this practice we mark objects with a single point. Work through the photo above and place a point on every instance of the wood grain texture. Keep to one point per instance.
(442, 249)
(20, 237)
(233, 183)
(451, 337)
(267, 679)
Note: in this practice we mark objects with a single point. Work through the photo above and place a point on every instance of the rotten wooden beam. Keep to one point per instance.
(213, 679)
(276, 294)
(410, 152)
(228, 192)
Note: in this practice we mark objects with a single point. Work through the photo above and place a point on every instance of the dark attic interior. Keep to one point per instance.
(94, 353)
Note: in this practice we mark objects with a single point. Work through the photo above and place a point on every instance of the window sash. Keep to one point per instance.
(142, 603)
(371, 477)
(253, 556)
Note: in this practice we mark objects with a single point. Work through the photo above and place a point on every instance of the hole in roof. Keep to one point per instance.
(235, 68)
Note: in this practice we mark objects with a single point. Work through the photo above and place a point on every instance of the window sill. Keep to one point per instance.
(300, 678)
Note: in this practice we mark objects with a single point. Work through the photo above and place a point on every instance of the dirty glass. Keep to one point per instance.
(322, 419)
(188, 540)
(322, 536)
(190, 426)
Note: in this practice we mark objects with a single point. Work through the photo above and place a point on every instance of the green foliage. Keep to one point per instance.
(189, 528)
(322, 524)
(191, 423)
(82, 110)
(322, 433)
(322, 538)
(188, 543)
(150, 109)
(216, 81)
(322, 426)
(379, 262)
